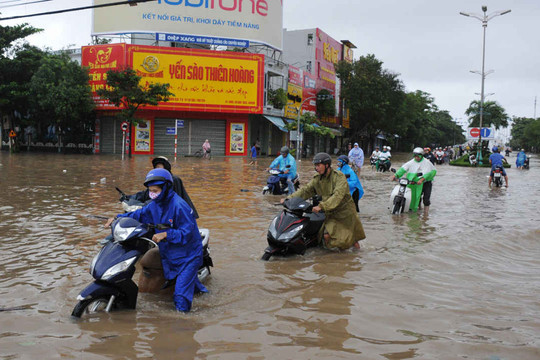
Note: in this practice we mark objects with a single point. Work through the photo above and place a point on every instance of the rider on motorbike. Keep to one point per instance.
(355, 187)
(286, 163)
(384, 158)
(356, 156)
(375, 155)
(496, 159)
(180, 245)
(429, 155)
(420, 170)
(342, 227)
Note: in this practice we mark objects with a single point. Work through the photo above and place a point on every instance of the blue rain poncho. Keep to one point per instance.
(520, 159)
(181, 252)
(281, 163)
(352, 180)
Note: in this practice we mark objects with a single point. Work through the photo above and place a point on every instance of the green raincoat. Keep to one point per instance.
(413, 168)
(342, 222)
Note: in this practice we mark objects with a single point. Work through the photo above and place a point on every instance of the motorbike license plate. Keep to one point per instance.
(497, 174)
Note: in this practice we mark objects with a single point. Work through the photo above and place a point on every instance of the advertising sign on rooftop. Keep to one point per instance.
(257, 21)
(200, 80)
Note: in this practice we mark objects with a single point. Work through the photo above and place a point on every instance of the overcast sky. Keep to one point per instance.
(427, 42)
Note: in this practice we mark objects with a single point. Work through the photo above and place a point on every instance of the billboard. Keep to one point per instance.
(100, 59)
(259, 21)
(327, 52)
(200, 80)
(294, 92)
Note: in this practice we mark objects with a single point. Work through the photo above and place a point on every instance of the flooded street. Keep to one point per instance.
(461, 284)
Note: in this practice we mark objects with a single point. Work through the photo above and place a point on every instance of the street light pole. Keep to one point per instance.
(484, 19)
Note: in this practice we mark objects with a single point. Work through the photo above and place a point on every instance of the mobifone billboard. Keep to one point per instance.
(214, 22)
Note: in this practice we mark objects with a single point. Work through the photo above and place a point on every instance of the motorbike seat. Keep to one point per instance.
(316, 220)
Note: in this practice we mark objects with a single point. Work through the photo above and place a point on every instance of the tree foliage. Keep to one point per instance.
(372, 94)
(525, 134)
(494, 114)
(278, 98)
(62, 96)
(125, 90)
(310, 124)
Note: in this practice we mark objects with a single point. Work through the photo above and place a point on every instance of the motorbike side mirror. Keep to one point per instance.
(288, 166)
(393, 170)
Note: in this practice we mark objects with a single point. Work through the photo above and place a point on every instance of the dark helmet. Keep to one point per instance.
(322, 158)
(495, 149)
(161, 160)
(158, 177)
(284, 150)
(343, 158)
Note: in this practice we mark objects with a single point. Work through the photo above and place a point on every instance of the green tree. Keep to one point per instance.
(326, 104)
(124, 90)
(61, 95)
(310, 124)
(373, 95)
(519, 125)
(494, 114)
(531, 136)
(18, 62)
(278, 98)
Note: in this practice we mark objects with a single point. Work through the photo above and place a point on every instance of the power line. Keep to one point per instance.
(27, 3)
(130, 2)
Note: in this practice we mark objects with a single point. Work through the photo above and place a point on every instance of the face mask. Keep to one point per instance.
(154, 195)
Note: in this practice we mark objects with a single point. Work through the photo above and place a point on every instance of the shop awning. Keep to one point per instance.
(277, 121)
(335, 132)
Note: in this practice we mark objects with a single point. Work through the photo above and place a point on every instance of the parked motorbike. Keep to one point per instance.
(498, 176)
(295, 229)
(277, 185)
(114, 266)
(400, 198)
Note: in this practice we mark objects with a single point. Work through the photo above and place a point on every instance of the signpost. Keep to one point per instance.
(124, 126)
(179, 124)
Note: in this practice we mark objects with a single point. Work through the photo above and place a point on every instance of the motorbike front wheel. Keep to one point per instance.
(266, 256)
(90, 306)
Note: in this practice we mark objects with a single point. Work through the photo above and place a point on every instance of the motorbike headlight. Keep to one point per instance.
(290, 234)
(403, 181)
(121, 233)
(118, 268)
(272, 228)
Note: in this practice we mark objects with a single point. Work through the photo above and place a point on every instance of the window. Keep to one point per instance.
(308, 66)
(310, 39)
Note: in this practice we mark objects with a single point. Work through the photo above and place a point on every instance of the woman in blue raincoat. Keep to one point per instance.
(180, 246)
(520, 160)
(355, 187)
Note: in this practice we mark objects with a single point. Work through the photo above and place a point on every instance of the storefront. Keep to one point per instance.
(214, 93)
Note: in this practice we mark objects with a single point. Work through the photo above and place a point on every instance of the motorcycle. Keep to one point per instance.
(498, 176)
(400, 198)
(129, 203)
(526, 162)
(383, 165)
(277, 185)
(373, 161)
(114, 266)
(295, 229)
(439, 159)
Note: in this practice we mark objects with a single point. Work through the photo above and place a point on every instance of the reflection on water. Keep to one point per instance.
(461, 283)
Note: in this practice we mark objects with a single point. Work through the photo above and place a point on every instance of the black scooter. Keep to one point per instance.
(113, 267)
(295, 229)
(498, 175)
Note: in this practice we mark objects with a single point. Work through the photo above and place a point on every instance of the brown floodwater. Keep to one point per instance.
(463, 283)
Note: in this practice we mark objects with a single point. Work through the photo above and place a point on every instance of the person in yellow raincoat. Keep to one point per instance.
(419, 170)
(342, 228)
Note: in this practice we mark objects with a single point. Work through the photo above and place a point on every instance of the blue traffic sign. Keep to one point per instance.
(486, 132)
(179, 123)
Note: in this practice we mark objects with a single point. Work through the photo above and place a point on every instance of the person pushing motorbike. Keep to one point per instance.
(161, 162)
(355, 187)
(342, 228)
(419, 170)
(180, 246)
(286, 163)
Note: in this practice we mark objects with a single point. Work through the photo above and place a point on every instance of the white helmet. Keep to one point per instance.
(418, 151)
(389, 148)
